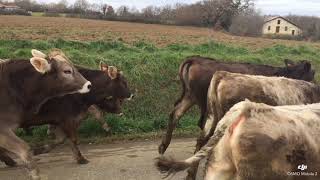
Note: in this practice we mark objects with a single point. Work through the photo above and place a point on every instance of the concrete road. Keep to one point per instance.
(119, 161)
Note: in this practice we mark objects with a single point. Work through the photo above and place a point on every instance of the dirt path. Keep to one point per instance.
(121, 161)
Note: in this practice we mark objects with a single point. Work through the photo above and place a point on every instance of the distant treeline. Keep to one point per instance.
(238, 17)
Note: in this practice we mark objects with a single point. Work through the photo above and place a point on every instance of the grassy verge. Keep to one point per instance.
(152, 73)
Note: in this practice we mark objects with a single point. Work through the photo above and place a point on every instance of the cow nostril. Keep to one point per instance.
(89, 86)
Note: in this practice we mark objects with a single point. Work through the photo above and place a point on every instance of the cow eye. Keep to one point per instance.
(67, 71)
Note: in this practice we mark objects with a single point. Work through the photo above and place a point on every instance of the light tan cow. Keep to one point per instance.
(258, 141)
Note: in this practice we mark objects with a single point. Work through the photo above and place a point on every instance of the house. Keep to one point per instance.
(280, 26)
(9, 7)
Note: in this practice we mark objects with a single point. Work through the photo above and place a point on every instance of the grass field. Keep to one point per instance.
(150, 65)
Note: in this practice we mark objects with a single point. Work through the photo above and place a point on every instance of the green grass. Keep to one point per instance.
(152, 73)
(40, 14)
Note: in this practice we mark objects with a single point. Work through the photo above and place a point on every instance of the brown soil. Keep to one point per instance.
(36, 28)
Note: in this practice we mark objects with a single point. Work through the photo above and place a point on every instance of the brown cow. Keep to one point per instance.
(196, 73)
(258, 141)
(109, 89)
(24, 87)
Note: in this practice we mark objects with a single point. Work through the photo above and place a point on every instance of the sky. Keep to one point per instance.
(267, 7)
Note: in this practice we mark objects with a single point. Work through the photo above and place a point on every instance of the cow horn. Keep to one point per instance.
(58, 55)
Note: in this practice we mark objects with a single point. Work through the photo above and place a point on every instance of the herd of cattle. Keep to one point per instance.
(49, 89)
(247, 131)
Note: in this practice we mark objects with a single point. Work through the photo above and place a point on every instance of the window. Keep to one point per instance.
(286, 28)
(279, 21)
(269, 28)
(278, 29)
(293, 32)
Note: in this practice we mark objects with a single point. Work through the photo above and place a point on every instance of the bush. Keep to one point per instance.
(287, 37)
(15, 12)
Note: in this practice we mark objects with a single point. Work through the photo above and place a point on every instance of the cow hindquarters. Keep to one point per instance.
(179, 109)
(220, 164)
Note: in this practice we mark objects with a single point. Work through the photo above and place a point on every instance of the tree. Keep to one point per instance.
(123, 11)
(104, 9)
(62, 6)
(110, 11)
(24, 4)
(221, 12)
(248, 23)
(80, 6)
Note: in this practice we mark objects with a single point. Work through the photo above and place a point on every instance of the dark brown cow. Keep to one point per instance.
(24, 87)
(196, 73)
(109, 89)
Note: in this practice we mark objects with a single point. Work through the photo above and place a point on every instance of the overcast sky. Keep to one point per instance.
(273, 7)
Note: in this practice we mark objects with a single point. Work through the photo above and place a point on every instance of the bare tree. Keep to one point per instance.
(104, 9)
(110, 11)
(248, 23)
(80, 6)
(220, 12)
(123, 11)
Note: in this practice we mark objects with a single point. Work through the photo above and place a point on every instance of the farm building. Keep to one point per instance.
(9, 7)
(280, 26)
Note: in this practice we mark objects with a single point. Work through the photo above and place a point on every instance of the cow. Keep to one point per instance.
(195, 76)
(258, 141)
(227, 89)
(109, 90)
(25, 85)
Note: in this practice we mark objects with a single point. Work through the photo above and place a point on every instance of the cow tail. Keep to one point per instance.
(168, 165)
(184, 78)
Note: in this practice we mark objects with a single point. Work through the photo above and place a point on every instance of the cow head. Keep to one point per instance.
(301, 70)
(59, 76)
(110, 89)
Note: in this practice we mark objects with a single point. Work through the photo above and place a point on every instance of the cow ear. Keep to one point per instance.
(37, 53)
(40, 64)
(112, 72)
(307, 66)
(288, 63)
(103, 66)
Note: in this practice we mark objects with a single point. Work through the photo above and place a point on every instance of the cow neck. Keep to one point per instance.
(27, 85)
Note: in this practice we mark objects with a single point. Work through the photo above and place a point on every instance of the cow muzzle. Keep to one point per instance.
(85, 88)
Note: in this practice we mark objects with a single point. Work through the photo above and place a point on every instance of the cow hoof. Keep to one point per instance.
(83, 161)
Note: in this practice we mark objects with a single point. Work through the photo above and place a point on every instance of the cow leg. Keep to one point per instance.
(98, 115)
(60, 139)
(4, 157)
(174, 117)
(70, 129)
(10, 142)
(202, 120)
(76, 153)
(207, 132)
